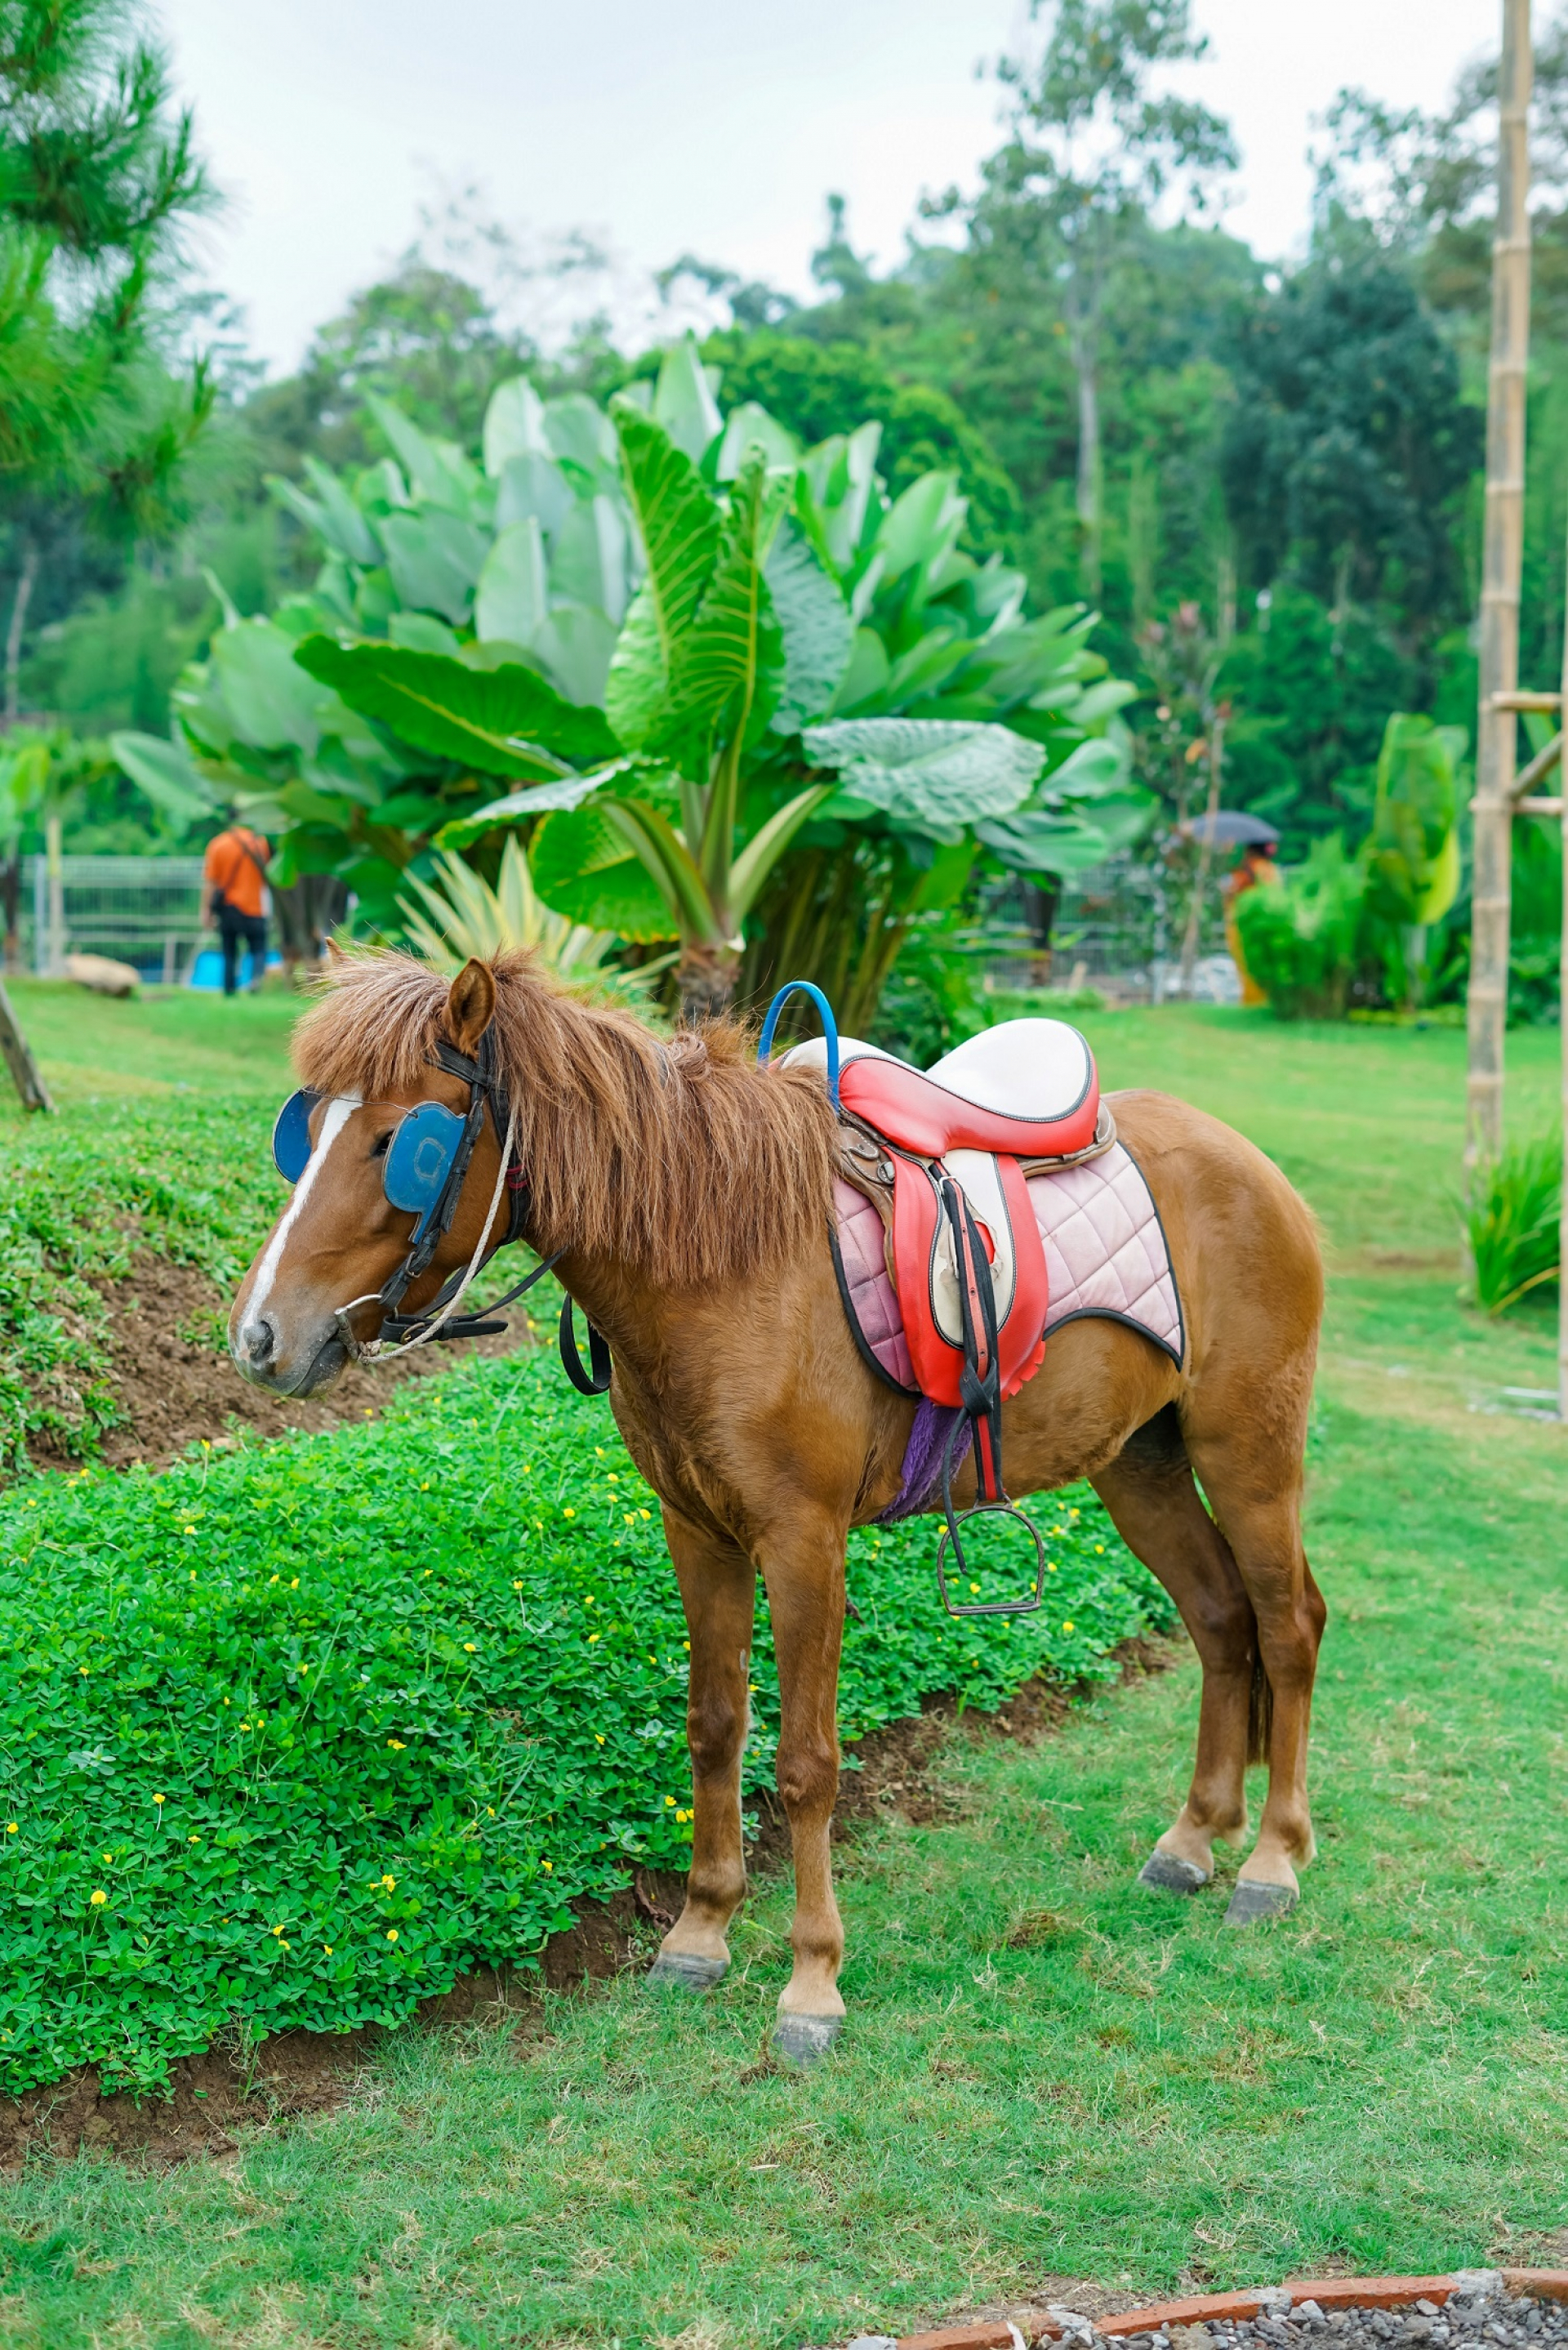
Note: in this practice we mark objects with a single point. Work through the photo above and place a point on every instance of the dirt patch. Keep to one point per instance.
(302, 2073)
(174, 1390)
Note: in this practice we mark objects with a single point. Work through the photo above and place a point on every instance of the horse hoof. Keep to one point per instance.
(802, 2039)
(682, 1970)
(1252, 1901)
(1169, 1873)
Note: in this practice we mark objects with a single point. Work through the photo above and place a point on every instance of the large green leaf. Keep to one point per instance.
(584, 867)
(435, 558)
(332, 514)
(928, 772)
(514, 425)
(678, 522)
(512, 596)
(437, 470)
(268, 701)
(637, 682)
(683, 401)
(922, 527)
(166, 772)
(1037, 841)
(533, 484)
(814, 621)
(731, 655)
(576, 645)
(504, 721)
(588, 557)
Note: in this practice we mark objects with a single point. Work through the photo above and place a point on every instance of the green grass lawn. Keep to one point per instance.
(166, 1041)
(1046, 2074)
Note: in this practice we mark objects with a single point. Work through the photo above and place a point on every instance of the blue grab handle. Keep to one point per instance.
(829, 1027)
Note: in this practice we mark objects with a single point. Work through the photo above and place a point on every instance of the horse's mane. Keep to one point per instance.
(684, 1158)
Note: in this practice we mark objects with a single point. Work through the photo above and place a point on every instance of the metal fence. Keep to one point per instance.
(143, 910)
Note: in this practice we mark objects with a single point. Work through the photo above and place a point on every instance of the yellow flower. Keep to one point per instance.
(599, 1740)
(279, 1931)
(974, 1586)
(645, 1513)
(549, 1867)
(99, 1899)
(517, 1586)
(327, 1948)
(193, 1839)
(1100, 1549)
(592, 1636)
(390, 1883)
(686, 1646)
(82, 1669)
(568, 1513)
(1068, 1627)
(397, 1744)
(10, 1828)
(392, 1933)
(160, 1799)
(670, 1800)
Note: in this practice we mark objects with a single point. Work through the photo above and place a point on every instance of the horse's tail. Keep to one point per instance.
(1260, 1712)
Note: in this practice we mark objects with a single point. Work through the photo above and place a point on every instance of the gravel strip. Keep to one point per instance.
(1498, 2322)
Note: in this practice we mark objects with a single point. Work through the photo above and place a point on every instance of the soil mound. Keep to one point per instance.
(174, 1385)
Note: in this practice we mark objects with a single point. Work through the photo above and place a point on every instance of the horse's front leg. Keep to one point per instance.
(718, 1582)
(803, 1568)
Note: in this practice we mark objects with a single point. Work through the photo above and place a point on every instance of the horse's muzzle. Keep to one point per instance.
(262, 1355)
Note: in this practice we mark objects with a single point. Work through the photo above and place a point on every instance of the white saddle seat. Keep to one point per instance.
(1025, 1087)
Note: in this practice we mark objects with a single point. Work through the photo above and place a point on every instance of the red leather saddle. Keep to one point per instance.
(1025, 1089)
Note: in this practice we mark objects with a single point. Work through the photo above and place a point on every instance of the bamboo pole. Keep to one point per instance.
(1563, 1031)
(1501, 556)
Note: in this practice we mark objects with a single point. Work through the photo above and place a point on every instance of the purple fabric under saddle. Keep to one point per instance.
(1105, 1254)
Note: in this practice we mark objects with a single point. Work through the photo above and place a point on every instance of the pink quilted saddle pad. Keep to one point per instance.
(1105, 1254)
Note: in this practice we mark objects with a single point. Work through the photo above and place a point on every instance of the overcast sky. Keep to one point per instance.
(710, 126)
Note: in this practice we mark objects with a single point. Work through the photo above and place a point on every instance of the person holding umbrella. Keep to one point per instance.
(1258, 841)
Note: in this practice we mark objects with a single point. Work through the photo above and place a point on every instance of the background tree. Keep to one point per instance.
(1093, 149)
(97, 173)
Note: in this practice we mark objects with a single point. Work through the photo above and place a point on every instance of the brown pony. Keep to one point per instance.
(689, 1192)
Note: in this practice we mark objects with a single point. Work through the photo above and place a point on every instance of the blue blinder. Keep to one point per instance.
(291, 1135)
(420, 1159)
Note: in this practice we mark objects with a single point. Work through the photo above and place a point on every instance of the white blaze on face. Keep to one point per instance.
(339, 1110)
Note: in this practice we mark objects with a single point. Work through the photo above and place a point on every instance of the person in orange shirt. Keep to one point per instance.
(234, 872)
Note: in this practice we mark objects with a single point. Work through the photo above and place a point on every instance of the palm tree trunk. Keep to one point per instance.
(705, 980)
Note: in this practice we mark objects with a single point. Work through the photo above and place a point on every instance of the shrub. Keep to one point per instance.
(291, 1736)
(1512, 1223)
(1300, 935)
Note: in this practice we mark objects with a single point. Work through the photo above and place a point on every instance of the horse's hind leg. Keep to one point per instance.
(1154, 1504)
(1251, 1473)
(718, 1583)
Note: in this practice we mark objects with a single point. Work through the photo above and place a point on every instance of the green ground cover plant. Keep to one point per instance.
(296, 1735)
(175, 1169)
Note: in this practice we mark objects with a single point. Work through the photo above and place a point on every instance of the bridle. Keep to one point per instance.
(423, 1173)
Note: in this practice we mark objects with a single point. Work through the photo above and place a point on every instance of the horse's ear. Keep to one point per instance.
(470, 1005)
(334, 953)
